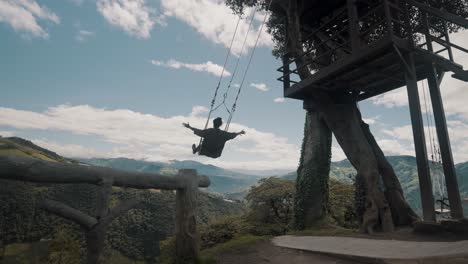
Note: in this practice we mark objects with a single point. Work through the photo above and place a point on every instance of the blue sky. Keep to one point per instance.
(112, 78)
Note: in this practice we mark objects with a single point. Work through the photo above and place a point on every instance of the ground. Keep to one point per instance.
(266, 252)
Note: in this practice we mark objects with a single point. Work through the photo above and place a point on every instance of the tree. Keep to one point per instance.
(271, 201)
(383, 209)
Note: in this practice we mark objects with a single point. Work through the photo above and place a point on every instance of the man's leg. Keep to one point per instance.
(195, 148)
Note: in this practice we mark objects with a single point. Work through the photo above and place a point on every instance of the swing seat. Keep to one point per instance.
(442, 211)
(213, 142)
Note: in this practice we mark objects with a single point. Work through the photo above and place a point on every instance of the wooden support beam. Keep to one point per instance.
(187, 240)
(353, 21)
(286, 73)
(60, 209)
(456, 209)
(425, 183)
(388, 18)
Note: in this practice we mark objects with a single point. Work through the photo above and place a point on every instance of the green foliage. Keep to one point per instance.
(341, 204)
(64, 248)
(271, 202)
(324, 227)
(167, 250)
(311, 201)
(209, 256)
(219, 231)
(25, 253)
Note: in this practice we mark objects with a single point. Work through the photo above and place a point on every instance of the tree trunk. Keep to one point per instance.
(402, 213)
(344, 121)
(95, 239)
(311, 200)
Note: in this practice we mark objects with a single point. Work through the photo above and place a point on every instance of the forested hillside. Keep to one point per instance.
(135, 235)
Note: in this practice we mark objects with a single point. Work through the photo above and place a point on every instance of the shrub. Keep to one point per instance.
(220, 230)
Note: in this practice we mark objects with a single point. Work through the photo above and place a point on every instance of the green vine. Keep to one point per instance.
(311, 201)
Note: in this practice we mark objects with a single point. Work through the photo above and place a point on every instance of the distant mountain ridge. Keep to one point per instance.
(222, 180)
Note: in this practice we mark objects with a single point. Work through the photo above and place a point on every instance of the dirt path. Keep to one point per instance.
(266, 252)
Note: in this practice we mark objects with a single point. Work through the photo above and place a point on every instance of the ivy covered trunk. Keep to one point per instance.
(311, 198)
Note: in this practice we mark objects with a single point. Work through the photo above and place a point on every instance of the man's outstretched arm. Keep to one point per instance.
(235, 134)
(196, 131)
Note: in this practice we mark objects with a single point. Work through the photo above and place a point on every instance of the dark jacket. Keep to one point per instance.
(213, 141)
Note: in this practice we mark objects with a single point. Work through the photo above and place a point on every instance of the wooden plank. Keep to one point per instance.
(456, 209)
(338, 68)
(35, 170)
(442, 62)
(353, 21)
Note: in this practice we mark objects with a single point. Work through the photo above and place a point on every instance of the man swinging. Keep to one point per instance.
(213, 139)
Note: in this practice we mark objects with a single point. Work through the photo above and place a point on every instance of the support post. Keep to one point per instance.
(353, 21)
(456, 209)
(425, 184)
(286, 72)
(388, 18)
(187, 244)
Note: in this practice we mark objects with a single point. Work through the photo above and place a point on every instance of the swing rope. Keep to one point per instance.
(220, 78)
(234, 105)
(237, 65)
(435, 152)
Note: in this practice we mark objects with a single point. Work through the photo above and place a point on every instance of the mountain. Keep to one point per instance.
(222, 181)
(25, 148)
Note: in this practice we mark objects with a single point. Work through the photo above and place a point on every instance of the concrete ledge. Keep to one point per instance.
(379, 251)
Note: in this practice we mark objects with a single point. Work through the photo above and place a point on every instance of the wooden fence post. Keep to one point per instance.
(187, 244)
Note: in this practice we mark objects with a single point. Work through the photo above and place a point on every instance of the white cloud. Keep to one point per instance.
(396, 147)
(132, 16)
(260, 86)
(370, 120)
(151, 137)
(209, 67)
(83, 35)
(23, 16)
(214, 20)
(69, 150)
(6, 133)
(401, 141)
(279, 100)
(454, 92)
(337, 152)
(395, 98)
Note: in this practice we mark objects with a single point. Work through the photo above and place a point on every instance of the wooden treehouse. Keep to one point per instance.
(363, 48)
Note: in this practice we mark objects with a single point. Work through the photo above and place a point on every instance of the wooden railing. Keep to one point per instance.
(186, 184)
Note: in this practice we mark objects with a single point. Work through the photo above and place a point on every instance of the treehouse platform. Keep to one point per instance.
(357, 49)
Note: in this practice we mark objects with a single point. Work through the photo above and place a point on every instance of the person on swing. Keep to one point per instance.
(213, 139)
